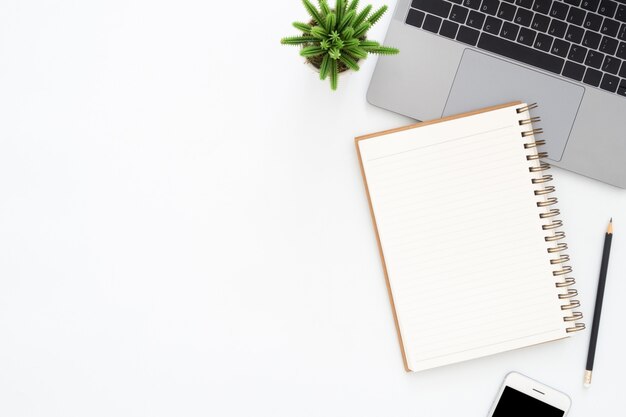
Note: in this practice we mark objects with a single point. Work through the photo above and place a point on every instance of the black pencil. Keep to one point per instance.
(598, 309)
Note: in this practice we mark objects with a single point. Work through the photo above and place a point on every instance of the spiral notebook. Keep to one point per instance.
(469, 236)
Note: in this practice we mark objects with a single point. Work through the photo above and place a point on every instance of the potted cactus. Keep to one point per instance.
(334, 39)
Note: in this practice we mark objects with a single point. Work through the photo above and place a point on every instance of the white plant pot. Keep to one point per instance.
(317, 71)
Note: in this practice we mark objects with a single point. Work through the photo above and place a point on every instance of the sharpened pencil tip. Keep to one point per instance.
(610, 229)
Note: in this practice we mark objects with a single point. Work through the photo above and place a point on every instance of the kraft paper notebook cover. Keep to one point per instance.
(468, 235)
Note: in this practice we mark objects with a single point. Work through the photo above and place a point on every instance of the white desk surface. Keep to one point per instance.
(184, 230)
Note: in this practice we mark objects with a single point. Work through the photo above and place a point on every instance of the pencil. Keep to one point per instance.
(595, 327)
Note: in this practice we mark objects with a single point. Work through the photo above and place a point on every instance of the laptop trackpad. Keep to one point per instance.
(483, 81)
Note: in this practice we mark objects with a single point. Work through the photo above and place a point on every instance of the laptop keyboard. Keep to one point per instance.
(583, 40)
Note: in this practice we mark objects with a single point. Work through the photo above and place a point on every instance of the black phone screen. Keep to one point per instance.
(514, 403)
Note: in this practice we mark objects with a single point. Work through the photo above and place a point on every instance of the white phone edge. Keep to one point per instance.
(534, 389)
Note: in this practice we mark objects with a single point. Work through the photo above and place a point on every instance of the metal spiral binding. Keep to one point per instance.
(536, 131)
(562, 259)
(564, 282)
(527, 108)
(545, 190)
(548, 202)
(554, 224)
(545, 178)
(550, 213)
(529, 121)
(543, 166)
(537, 142)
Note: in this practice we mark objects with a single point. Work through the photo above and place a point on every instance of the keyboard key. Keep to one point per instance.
(448, 29)
(523, 17)
(594, 59)
(577, 53)
(560, 48)
(609, 83)
(621, 90)
(543, 42)
(458, 14)
(542, 6)
(437, 7)
(573, 71)
(457, 1)
(415, 18)
(611, 64)
(506, 12)
(541, 22)
(607, 8)
(492, 25)
(472, 4)
(622, 33)
(490, 7)
(621, 13)
(622, 71)
(574, 34)
(621, 51)
(468, 35)
(609, 27)
(432, 23)
(593, 21)
(592, 77)
(509, 31)
(526, 36)
(575, 16)
(524, 3)
(573, 2)
(557, 28)
(521, 53)
(591, 5)
(608, 45)
(592, 39)
(559, 10)
(476, 19)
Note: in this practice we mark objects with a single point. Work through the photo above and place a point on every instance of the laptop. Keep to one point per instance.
(567, 55)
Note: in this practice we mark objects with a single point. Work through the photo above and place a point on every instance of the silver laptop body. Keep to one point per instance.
(436, 74)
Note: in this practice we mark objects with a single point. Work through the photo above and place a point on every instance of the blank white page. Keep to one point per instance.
(461, 238)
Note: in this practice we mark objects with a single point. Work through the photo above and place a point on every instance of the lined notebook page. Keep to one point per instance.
(461, 238)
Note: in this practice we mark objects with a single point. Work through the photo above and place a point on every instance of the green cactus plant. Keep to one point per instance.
(335, 40)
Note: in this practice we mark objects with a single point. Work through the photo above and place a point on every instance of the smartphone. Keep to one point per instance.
(522, 396)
